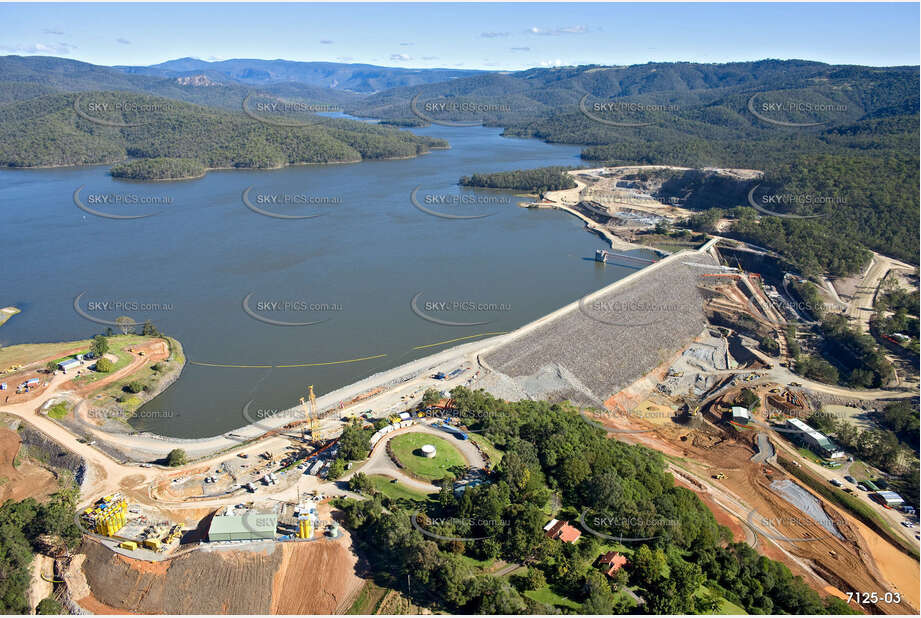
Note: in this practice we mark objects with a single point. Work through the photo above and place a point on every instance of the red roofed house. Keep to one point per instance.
(612, 561)
(562, 530)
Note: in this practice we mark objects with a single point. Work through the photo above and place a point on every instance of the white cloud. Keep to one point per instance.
(493, 35)
(344, 58)
(326, 42)
(39, 48)
(400, 57)
(519, 49)
(123, 41)
(551, 63)
(557, 31)
(406, 44)
(430, 57)
(52, 31)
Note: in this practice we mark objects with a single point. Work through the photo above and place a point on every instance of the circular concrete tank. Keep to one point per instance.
(428, 450)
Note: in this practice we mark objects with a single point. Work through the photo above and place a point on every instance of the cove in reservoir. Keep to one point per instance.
(348, 277)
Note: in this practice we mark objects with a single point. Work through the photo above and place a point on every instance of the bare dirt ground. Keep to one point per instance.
(315, 578)
(825, 560)
(40, 588)
(212, 582)
(25, 480)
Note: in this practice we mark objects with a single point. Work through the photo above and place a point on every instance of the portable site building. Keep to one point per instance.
(251, 526)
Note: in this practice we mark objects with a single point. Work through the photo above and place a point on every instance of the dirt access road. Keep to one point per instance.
(861, 306)
(777, 528)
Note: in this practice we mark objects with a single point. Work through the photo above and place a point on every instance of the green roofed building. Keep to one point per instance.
(816, 440)
(243, 526)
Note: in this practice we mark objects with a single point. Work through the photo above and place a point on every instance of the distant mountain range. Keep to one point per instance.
(360, 78)
(822, 130)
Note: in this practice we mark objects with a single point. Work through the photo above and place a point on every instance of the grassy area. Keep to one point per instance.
(395, 491)
(860, 471)
(368, 600)
(480, 564)
(406, 448)
(495, 455)
(857, 506)
(109, 396)
(28, 353)
(117, 345)
(548, 596)
(58, 410)
(805, 452)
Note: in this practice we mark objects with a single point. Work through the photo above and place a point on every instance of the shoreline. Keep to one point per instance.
(216, 169)
(384, 382)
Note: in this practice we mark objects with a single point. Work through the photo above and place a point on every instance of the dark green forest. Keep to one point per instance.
(537, 180)
(49, 131)
(548, 450)
(158, 168)
(23, 527)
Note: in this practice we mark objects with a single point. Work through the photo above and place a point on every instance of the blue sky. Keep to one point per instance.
(480, 36)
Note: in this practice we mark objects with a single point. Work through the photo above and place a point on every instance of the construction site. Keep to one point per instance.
(251, 509)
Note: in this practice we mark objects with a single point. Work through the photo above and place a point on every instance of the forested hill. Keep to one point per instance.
(525, 95)
(107, 127)
(841, 142)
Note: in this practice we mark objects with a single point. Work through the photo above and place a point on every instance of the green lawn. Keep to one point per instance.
(108, 396)
(805, 452)
(479, 564)
(395, 491)
(117, 345)
(406, 447)
(548, 596)
(58, 410)
(495, 455)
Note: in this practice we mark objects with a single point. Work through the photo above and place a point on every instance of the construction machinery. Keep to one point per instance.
(310, 413)
(719, 476)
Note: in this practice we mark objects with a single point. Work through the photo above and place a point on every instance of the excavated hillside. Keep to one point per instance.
(272, 578)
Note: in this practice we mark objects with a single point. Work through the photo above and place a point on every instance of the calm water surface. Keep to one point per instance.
(355, 269)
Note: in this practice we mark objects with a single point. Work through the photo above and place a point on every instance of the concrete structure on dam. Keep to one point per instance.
(593, 348)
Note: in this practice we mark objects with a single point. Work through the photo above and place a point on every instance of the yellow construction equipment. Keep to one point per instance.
(310, 414)
(153, 544)
(719, 476)
(128, 545)
(108, 516)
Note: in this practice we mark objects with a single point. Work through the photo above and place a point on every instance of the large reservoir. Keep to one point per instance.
(270, 305)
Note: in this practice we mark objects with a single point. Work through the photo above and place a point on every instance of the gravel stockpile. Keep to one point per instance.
(605, 342)
(807, 503)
